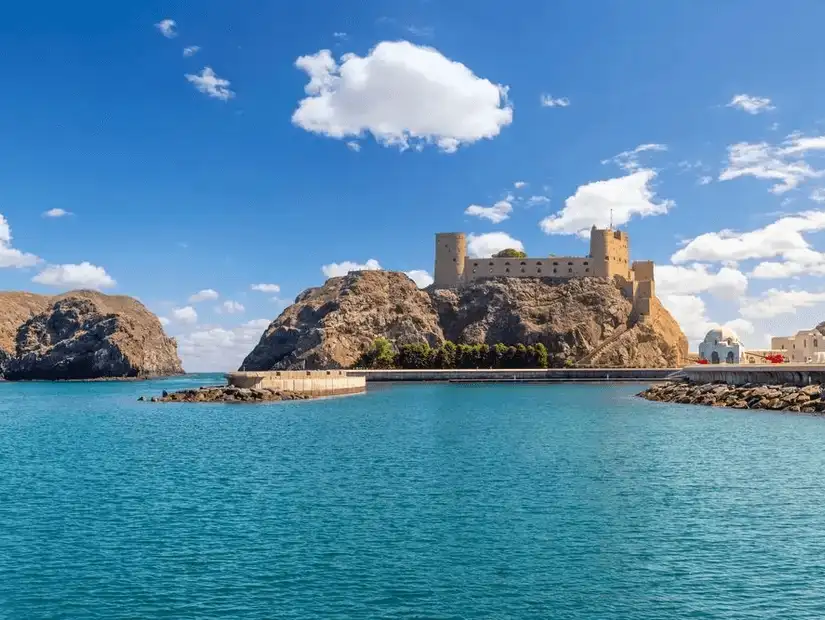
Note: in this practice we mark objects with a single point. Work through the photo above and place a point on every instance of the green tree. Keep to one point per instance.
(541, 356)
(379, 355)
(510, 253)
(447, 355)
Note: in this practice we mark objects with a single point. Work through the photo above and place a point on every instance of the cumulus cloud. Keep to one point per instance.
(191, 50)
(783, 239)
(56, 213)
(520, 184)
(218, 348)
(84, 275)
(266, 288)
(168, 28)
(775, 302)
(691, 314)
(339, 35)
(497, 213)
(594, 204)
(784, 163)
(230, 307)
(727, 283)
(421, 278)
(206, 294)
(404, 95)
(818, 195)
(10, 256)
(164, 321)
(334, 270)
(548, 101)
(751, 104)
(210, 84)
(187, 314)
(705, 180)
(354, 146)
(537, 200)
(484, 246)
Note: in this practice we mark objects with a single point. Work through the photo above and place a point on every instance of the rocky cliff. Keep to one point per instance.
(82, 335)
(587, 321)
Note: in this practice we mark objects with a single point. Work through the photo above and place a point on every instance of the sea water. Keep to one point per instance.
(412, 501)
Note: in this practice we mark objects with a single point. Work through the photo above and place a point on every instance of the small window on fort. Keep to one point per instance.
(453, 260)
(570, 270)
(475, 264)
(538, 263)
(569, 263)
(586, 263)
(606, 258)
(587, 270)
(539, 269)
(523, 263)
(522, 270)
(507, 270)
(804, 343)
(507, 263)
(491, 263)
(555, 270)
(554, 264)
(816, 342)
(491, 270)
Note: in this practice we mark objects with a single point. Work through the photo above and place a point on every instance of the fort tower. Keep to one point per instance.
(450, 254)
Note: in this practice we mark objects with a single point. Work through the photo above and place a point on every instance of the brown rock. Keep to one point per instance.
(587, 320)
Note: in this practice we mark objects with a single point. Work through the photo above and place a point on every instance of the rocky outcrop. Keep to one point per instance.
(82, 335)
(799, 399)
(585, 321)
(332, 325)
(227, 394)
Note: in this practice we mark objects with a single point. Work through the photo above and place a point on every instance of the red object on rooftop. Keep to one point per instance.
(701, 361)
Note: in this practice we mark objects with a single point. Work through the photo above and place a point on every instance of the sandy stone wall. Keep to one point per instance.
(310, 382)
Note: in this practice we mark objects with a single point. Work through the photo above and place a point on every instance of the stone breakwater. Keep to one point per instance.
(226, 394)
(799, 399)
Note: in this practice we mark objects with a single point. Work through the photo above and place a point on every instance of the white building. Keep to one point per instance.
(807, 345)
(721, 346)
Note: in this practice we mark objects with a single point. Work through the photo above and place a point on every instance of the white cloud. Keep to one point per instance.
(191, 50)
(206, 294)
(421, 278)
(217, 348)
(9, 256)
(164, 321)
(167, 28)
(537, 200)
(266, 288)
(774, 302)
(629, 160)
(230, 307)
(354, 146)
(782, 238)
(727, 283)
(781, 163)
(421, 31)
(483, 246)
(548, 101)
(404, 95)
(210, 84)
(334, 270)
(56, 213)
(595, 204)
(84, 275)
(497, 213)
(339, 35)
(751, 104)
(705, 180)
(818, 195)
(691, 314)
(520, 184)
(187, 314)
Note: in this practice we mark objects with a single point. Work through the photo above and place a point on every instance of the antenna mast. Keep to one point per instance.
(611, 219)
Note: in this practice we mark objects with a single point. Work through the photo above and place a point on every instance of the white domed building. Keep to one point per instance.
(721, 346)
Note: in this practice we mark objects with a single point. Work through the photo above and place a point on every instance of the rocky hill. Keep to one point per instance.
(81, 335)
(586, 321)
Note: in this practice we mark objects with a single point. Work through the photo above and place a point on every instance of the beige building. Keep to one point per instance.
(609, 258)
(808, 345)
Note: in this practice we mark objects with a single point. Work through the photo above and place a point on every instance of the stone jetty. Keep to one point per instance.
(782, 397)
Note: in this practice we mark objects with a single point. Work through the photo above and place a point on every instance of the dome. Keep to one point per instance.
(723, 334)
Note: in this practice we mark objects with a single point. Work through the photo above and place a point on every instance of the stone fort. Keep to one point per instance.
(609, 258)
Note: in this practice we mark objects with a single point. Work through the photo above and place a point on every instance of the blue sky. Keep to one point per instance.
(419, 111)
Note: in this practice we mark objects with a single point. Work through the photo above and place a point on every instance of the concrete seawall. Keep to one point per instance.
(757, 374)
(314, 383)
(540, 375)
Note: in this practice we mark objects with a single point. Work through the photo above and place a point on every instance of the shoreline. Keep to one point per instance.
(808, 399)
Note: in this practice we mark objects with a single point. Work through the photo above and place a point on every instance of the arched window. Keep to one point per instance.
(555, 264)
(522, 270)
(586, 263)
(475, 264)
(555, 270)
(507, 270)
(539, 269)
(587, 270)
(569, 263)
(491, 263)
(570, 270)
(538, 263)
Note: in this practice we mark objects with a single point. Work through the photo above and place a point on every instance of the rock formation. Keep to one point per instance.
(800, 399)
(82, 335)
(227, 394)
(587, 321)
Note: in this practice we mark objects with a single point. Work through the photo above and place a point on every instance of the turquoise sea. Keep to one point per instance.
(422, 501)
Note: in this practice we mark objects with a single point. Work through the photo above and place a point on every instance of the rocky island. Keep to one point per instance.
(794, 398)
(82, 335)
(583, 321)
